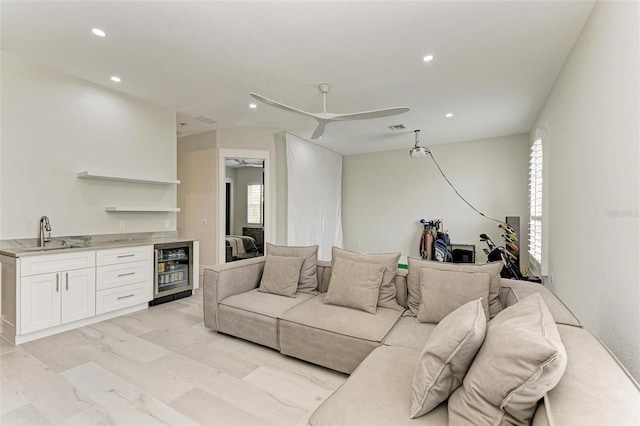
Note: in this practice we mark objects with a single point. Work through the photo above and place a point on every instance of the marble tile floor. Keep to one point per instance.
(157, 366)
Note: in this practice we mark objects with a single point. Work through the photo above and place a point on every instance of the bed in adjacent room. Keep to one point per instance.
(240, 247)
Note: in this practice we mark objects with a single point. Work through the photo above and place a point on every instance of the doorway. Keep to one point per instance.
(243, 204)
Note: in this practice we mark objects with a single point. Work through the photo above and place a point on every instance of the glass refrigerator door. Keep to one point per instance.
(172, 270)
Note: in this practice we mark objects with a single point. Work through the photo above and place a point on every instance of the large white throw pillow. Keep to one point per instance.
(446, 357)
(521, 359)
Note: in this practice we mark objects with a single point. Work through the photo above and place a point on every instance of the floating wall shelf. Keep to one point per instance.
(103, 176)
(142, 209)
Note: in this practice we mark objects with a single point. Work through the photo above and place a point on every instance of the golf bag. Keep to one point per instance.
(434, 243)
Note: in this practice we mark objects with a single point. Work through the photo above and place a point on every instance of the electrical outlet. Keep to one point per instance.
(123, 225)
(166, 223)
(204, 222)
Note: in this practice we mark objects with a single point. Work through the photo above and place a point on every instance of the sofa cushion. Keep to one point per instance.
(409, 333)
(387, 295)
(308, 281)
(253, 315)
(377, 393)
(333, 336)
(355, 285)
(521, 359)
(413, 280)
(280, 275)
(447, 356)
(442, 292)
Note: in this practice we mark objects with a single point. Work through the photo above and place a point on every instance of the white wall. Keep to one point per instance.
(385, 194)
(54, 126)
(198, 159)
(592, 148)
(282, 189)
(197, 192)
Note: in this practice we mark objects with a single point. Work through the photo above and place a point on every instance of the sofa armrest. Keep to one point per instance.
(222, 281)
(513, 291)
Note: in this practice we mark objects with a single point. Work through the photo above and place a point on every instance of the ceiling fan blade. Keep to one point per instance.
(281, 106)
(366, 115)
(317, 134)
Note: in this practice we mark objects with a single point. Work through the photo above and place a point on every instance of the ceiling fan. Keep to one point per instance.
(326, 117)
(242, 162)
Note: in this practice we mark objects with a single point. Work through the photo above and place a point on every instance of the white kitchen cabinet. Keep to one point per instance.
(48, 293)
(124, 278)
(41, 302)
(56, 298)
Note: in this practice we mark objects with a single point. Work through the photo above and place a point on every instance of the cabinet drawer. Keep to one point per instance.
(123, 255)
(111, 276)
(122, 297)
(46, 263)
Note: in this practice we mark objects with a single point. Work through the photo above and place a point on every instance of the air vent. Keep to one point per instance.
(204, 119)
(397, 127)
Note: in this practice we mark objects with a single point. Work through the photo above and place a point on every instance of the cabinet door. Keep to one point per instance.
(39, 302)
(78, 294)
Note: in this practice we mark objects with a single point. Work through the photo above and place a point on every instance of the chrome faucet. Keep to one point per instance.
(44, 226)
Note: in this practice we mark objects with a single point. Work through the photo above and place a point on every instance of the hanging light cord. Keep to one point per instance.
(457, 193)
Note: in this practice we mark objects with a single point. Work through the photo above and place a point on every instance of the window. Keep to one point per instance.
(255, 193)
(535, 202)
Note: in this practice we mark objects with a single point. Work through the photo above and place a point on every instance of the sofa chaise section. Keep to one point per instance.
(333, 336)
(378, 393)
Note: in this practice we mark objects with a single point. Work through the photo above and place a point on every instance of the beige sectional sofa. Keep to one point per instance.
(380, 351)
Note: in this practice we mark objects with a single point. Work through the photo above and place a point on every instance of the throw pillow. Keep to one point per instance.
(413, 280)
(280, 275)
(355, 284)
(521, 359)
(447, 356)
(443, 292)
(387, 296)
(308, 281)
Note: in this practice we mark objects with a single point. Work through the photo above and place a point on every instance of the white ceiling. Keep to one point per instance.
(495, 61)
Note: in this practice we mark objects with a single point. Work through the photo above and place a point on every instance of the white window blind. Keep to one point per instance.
(255, 192)
(535, 202)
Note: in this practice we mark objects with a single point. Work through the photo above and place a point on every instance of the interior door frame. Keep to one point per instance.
(269, 227)
(228, 180)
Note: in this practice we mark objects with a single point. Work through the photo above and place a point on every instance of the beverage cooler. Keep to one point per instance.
(173, 263)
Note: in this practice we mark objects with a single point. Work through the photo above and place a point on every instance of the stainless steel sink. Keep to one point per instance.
(49, 248)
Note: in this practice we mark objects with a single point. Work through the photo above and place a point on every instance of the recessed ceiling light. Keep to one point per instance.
(253, 106)
(428, 58)
(449, 115)
(98, 32)
(115, 78)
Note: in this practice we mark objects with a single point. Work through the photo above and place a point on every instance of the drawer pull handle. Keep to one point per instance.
(125, 297)
(126, 255)
(67, 281)
(128, 273)
(57, 283)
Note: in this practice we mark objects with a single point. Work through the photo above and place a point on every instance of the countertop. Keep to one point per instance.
(28, 247)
